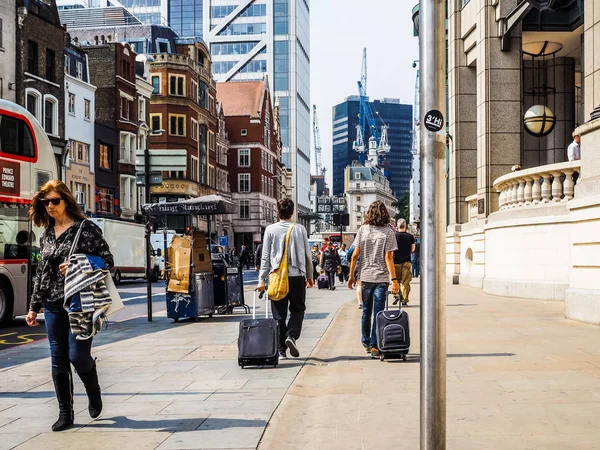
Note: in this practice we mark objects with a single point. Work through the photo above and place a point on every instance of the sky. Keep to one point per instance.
(340, 29)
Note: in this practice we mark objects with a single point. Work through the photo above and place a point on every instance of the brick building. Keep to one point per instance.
(39, 69)
(79, 101)
(113, 71)
(183, 105)
(255, 151)
(224, 224)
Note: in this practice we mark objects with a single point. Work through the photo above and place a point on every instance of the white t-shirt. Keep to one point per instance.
(574, 152)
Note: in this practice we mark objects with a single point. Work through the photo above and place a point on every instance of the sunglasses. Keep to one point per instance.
(55, 201)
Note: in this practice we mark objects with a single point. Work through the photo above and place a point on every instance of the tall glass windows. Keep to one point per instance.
(282, 65)
(185, 17)
(281, 17)
(236, 29)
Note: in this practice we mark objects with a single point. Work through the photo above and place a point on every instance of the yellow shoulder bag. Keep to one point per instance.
(279, 283)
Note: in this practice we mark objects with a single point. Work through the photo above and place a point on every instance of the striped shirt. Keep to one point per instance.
(374, 242)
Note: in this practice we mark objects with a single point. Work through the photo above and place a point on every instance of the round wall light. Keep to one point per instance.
(539, 120)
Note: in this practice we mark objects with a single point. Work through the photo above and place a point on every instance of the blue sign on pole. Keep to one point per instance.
(224, 241)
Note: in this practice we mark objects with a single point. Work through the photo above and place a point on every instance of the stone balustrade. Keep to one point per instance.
(543, 184)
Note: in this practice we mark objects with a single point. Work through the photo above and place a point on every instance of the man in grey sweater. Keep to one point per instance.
(299, 265)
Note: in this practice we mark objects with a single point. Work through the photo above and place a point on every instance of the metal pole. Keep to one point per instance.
(432, 49)
(148, 241)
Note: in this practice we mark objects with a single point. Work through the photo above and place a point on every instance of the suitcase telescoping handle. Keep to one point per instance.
(266, 303)
(387, 302)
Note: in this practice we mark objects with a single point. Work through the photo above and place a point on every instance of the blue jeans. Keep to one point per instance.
(64, 348)
(374, 296)
(416, 261)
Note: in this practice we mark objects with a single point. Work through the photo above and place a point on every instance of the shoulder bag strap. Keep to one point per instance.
(76, 240)
(287, 244)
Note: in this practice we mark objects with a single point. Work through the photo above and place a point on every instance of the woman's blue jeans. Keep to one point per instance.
(374, 296)
(64, 348)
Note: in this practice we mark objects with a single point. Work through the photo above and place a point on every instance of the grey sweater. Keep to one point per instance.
(299, 255)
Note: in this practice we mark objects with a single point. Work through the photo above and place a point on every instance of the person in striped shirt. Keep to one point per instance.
(375, 243)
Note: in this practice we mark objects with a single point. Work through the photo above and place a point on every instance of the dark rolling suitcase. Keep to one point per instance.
(258, 341)
(323, 282)
(393, 333)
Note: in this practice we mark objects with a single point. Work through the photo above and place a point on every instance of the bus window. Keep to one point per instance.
(14, 233)
(15, 137)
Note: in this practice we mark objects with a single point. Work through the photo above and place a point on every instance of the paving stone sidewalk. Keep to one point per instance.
(519, 376)
(165, 386)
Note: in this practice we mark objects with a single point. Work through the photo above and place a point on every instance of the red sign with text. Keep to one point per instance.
(10, 183)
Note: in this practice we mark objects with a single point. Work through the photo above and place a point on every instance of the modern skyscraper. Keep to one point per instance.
(255, 38)
(397, 164)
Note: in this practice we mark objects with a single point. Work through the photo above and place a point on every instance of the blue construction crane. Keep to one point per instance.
(378, 142)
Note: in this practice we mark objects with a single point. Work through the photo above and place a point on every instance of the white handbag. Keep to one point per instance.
(117, 303)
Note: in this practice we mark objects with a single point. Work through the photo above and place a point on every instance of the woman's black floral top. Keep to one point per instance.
(49, 283)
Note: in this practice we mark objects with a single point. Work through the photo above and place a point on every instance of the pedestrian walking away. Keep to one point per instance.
(344, 262)
(300, 270)
(244, 258)
(258, 256)
(330, 260)
(375, 243)
(416, 258)
(55, 209)
(402, 256)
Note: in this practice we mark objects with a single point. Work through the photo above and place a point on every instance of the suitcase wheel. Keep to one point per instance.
(404, 357)
(381, 357)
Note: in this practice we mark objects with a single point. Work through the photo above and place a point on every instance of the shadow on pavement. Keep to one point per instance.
(172, 425)
(410, 359)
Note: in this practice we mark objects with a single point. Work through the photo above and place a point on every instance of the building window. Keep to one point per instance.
(128, 147)
(141, 109)
(83, 151)
(156, 122)
(156, 85)
(244, 157)
(71, 104)
(34, 103)
(125, 108)
(50, 65)
(194, 131)
(244, 182)
(195, 169)
(177, 85)
(177, 125)
(244, 209)
(203, 94)
(244, 132)
(51, 115)
(80, 196)
(79, 66)
(105, 200)
(357, 176)
(32, 57)
(128, 193)
(104, 153)
(67, 64)
(194, 90)
(163, 45)
(87, 109)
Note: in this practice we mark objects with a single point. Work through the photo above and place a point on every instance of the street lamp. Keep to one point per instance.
(148, 232)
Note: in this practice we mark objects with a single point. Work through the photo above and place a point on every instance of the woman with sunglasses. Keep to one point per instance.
(55, 209)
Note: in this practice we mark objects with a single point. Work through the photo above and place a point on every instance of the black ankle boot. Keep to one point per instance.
(63, 385)
(92, 387)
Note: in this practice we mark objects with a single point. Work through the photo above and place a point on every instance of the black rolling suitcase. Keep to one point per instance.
(393, 333)
(258, 341)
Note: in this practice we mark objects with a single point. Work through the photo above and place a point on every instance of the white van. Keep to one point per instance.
(128, 245)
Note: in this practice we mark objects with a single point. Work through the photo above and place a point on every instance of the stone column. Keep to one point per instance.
(582, 299)
(462, 118)
(499, 112)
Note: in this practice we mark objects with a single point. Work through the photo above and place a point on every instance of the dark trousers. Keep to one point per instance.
(344, 275)
(64, 348)
(331, 275)
(296, 302)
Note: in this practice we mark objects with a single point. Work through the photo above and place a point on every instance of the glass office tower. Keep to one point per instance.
(269, 37)
(397, 164)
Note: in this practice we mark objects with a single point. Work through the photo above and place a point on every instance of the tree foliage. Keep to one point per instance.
(402, 206)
